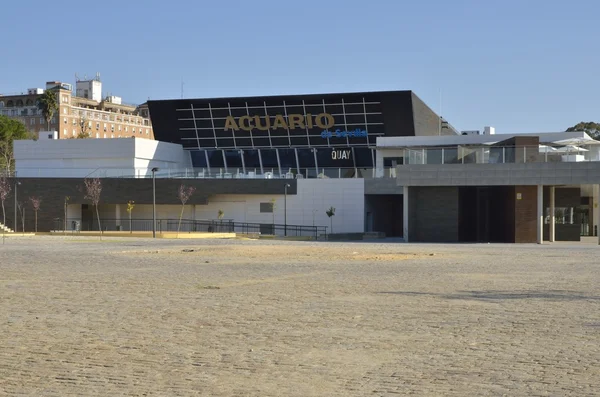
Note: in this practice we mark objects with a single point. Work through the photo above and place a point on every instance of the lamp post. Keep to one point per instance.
(285, 208)
(154, 201)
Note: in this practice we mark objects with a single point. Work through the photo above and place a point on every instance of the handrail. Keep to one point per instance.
(189, 226)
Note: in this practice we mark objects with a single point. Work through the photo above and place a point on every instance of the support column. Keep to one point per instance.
(540, 214)
(597, 213)
(118, 215)
(405, 213)
(552, 228)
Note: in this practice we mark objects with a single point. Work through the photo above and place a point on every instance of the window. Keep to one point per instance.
(133, 130)
(97, 135)
(125, 129)
(147, 131)
(66, 121)
(31, 121)
(97, 126)
(104, 135)
(64, 110)
(41, 120)
(112, 128)
(119, 127)
(266, 207)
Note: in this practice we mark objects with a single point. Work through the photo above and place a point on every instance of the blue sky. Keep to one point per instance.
(521, 66)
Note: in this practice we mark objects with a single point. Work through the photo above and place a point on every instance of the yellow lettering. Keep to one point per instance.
(279, 122)
(324, 120)
(245, 123)
(309, 122)
(258, 123)
(296, 119)
(230, 124)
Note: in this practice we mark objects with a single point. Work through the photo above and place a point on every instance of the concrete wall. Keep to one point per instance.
(239, 199)
(433, 214)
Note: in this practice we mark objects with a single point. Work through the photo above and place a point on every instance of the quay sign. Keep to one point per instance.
(264, 123)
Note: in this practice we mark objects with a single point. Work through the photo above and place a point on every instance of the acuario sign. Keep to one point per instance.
(264, 123)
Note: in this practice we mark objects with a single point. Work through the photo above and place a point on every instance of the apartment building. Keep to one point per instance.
(84, 111)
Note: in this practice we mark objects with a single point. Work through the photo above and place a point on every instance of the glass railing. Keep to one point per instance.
(489, 154)
(205, 173)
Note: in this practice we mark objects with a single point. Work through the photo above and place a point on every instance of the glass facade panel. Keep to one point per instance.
(234, 159)
(251, 159)
(306, 158)
(269, 158)
(198, 158)
(215, 158)
(287, 157)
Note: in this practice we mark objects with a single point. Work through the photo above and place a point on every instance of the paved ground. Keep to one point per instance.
(249, 318)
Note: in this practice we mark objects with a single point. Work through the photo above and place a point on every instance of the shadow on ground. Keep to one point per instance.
(491, 296)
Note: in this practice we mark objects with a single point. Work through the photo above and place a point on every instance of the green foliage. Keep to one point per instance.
(589, 127)
(330, 212)
(220, 214)
(10, 130)
(48, 104)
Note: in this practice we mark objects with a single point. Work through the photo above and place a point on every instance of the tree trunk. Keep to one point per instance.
(180, 216)
(130, 224)
(65, 228)
(99, 225)
(36, 221)
(331, 223)
(3, 214)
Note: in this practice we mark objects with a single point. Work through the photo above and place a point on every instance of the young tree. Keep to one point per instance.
(35, 203)
(130, 205)
(4, 192)
(21, 206)
(273, 208)
(48, 104)
(220, 215)
(185, 192)
(330, 213)
(93, 189)
(67, 198)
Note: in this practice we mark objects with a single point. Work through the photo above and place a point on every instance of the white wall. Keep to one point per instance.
(78, 158)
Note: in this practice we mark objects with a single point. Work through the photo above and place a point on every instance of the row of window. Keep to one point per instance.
(284, 159)
(112, 127)
(74, 133)
(106, 117)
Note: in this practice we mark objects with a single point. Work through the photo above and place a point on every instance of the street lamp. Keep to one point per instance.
(154, 201)
(285, 208)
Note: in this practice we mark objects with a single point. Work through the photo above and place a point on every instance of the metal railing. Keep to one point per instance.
(74, 225)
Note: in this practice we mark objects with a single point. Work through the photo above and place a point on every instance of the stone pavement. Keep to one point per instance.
(79, 316)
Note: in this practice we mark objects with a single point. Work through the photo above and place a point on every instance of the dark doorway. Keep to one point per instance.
(87, 217)
(384, 213)
(486, 214)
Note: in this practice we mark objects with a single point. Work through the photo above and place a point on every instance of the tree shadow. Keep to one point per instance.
(497, 296)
